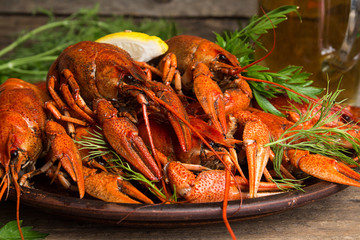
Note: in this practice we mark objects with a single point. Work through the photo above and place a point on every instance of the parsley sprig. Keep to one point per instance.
(241, 43)
(10, 231)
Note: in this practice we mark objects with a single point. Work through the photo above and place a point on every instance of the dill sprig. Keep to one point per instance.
(135, 176)
(96, 143)
(241, 43)
(30, 55)
(98, 147)
(317, 138)
(283, 184)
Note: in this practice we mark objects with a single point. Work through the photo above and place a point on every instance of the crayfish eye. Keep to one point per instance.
(346, 118)
(222, 57)
(14, 154)
(128, 77)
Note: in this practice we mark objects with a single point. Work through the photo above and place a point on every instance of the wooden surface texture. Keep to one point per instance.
(198, 17)
(335, 217)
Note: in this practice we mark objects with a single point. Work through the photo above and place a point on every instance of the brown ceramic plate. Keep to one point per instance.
(167, 215)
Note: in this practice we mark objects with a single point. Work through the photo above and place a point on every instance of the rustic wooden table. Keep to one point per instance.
(336, 217)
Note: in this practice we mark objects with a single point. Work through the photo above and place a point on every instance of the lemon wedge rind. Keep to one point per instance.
(141, 47)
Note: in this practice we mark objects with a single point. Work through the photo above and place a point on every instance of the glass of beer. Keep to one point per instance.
(324, 39)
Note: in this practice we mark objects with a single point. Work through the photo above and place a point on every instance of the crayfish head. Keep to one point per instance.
(19, 146)
(8, 155)
(192, 50)
(12, 158)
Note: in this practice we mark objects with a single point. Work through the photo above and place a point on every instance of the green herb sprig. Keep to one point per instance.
(285, 184)
(136, 176)
(10, 231)
(99, 147)
(318, 138)
(241, 44)
(30, 55)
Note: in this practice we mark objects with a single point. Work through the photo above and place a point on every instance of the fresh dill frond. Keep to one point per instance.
(135, 176)
(98, 147)
(319, 137)
(284, 183)
(30, 55)
(174, 196)
(96, 143)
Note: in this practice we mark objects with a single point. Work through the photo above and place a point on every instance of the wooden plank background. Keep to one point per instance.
(199, 17)
(148, 8)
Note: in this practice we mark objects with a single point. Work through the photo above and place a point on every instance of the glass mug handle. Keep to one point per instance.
(339, 60)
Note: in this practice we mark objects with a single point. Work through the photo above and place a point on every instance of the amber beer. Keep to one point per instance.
(312, 41)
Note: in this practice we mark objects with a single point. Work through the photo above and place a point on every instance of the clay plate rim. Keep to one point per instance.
(171, 215)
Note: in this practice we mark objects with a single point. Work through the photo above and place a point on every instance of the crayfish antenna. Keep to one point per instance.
(4, 180)
(17, 188)
(225, 203)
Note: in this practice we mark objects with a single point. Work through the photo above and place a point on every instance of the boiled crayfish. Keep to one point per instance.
(27, 134)
(99, 73)
(213, 75)
(198, 132)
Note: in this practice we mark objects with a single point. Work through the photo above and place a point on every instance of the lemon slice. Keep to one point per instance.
(140, 46)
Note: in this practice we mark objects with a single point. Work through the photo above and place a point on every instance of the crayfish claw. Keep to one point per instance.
(64, 149)
(210, 96)
(123, 136)
(175, 111)
(112, 188)
(255, 136)
(324, 168)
